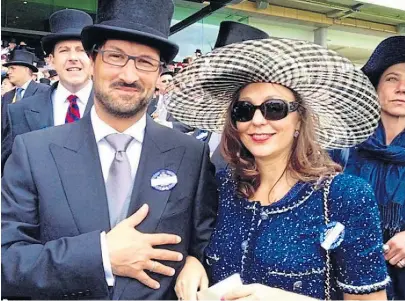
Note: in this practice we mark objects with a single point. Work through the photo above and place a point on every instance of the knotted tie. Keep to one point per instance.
(119, 180)
(73, 113)
(18, 94)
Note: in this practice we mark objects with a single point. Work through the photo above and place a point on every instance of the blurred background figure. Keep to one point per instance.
(197, 53)
(45, 81)
(53, 75)
(20, 70)
(6, 85)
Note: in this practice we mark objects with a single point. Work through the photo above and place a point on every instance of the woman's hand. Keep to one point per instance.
(262, 292)
(191, 279)
(396, 253)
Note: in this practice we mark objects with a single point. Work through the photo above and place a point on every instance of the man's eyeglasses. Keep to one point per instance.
(120, 59)
(167, 81)
(273, 109)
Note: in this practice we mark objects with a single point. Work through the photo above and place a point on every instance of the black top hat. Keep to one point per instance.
(143, 21)
(65, 25)
(233, 32)
(52, 73)
(22, 58)
(166, 71)
(45, 81)
(41, 64)
(13, 40)
(389, 52)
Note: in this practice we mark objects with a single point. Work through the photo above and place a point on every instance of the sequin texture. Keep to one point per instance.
(279, 245)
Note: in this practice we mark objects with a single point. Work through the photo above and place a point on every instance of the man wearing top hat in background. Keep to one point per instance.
(157, 106)
(122, 199)
(67, 99)
(20, 70)
(229, 32)
(53, 76)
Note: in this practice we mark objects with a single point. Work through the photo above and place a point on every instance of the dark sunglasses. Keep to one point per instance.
(272, 109)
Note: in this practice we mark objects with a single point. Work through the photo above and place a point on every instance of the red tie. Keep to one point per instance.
(73, 113)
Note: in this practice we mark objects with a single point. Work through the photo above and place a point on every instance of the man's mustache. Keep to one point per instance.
(133, 85)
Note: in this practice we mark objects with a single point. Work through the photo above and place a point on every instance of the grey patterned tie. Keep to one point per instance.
(119, 180)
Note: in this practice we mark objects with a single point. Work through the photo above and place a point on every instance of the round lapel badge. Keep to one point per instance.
(163, 180)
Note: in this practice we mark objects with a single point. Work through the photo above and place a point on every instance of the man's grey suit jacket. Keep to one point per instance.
(33, 88)
(54, 207)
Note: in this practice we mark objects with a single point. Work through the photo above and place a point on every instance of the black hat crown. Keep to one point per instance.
(22, 58)
(65, 24)
(233, 32)
(389, 52)
(52, 73)
(143, 21)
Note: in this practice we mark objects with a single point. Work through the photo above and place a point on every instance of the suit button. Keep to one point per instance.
(297, 286)
(244, 245)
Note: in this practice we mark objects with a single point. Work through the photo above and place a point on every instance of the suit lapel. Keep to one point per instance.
(80, 171)
(39, 114)
(90, 103)
(31, 89)
(158, 152)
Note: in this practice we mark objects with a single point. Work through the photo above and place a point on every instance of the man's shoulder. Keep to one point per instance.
(179, 138)
(28, 102)
(8, 95)
(46, 136)
(40, 87)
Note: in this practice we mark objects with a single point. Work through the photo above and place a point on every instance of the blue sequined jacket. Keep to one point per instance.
(280, 245)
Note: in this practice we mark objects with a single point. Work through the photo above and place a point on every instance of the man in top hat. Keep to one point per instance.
(229, 32)
(53, 76)
(68, 99)
(165, 78)
(108, 206)
(157, 106)
(20, 70)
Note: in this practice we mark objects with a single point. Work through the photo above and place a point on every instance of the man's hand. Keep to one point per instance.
(131, 252)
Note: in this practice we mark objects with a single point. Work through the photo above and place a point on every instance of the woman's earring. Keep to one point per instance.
(296, 134)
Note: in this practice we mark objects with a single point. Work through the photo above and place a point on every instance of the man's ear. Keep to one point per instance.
(51, 60)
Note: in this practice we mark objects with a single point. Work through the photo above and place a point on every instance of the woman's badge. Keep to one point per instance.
(332, 235)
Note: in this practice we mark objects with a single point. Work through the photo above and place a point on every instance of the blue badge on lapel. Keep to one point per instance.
(163, 180)
(332, 235)
(202, 135)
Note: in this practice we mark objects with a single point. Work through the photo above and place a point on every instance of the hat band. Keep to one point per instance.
(70, 30)
(135, 26)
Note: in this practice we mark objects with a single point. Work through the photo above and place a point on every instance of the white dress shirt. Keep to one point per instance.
(60, 102)
(107, 153)
(24, 87)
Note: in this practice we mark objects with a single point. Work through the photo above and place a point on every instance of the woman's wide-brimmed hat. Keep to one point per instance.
(342, 99)
(388, 53)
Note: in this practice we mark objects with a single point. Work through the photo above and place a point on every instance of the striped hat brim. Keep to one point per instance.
(341, 97)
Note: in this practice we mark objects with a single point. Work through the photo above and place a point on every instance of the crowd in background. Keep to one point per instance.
(101, 201)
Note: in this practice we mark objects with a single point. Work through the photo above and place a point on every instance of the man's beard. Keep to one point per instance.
(121, 110)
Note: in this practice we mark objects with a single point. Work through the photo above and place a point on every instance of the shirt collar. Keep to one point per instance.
(82, 95)
(102, 129)
(25, 86)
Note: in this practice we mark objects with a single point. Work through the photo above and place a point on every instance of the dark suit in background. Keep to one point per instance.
(33, 88)
(30, 114)
(54, 207)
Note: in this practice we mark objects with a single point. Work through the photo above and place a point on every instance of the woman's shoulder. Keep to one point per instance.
(350, 191)
(224, 176)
